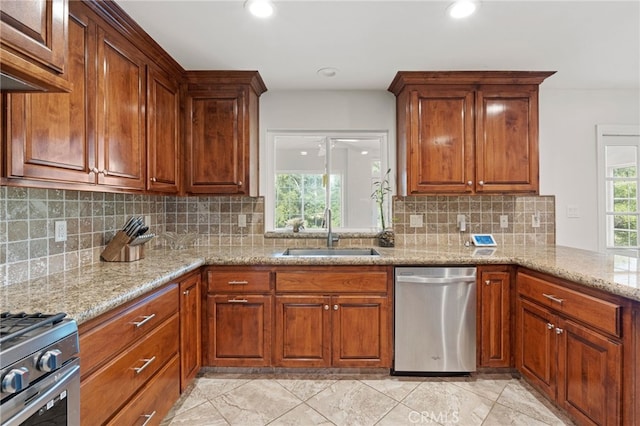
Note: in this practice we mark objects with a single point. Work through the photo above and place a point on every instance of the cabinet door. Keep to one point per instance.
(190, 324)
(163, 139)
(507, 139)
(120, 121)
(303, 331)
(33, 41)
(494, 316)
(590, 375)
(239, 330)
(361, 331)
(50, 135)
(217, 152)
(440, 153)
(536, 349)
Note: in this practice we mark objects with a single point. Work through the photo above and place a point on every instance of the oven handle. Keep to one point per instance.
(66, 378)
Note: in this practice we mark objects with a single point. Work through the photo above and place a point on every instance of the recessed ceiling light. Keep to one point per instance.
(462, 8)
(303, 152)
(260, 8)
(327, 72)
(364, 152)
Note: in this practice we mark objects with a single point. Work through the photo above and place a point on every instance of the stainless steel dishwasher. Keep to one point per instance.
(435, 320)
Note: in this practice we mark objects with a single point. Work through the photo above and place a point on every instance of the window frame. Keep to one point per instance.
(603, 134)
(269, 169)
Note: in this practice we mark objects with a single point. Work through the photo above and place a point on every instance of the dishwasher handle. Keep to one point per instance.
(435, 280)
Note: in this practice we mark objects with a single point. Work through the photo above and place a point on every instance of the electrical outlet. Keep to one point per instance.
(415, 221)
(147, 220)
(242, 220)
(461, 222)
(504, 221)
(535, 220)
(573, 211)
(60, 231)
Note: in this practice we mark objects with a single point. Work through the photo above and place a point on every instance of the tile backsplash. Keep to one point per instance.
(482, 215)
(27, 217)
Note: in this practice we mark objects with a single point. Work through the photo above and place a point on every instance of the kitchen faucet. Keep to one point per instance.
(327, 222)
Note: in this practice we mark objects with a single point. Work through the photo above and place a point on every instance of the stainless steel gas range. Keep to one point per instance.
(39, 370)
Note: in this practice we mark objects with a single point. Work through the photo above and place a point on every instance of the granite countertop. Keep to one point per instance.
(89, 291)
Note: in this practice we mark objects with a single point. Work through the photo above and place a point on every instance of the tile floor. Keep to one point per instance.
(298, 399)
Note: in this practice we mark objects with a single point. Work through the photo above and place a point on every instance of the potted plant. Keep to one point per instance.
(297, 223)
(382, 188)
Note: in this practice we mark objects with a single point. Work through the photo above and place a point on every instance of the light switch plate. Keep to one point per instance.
(573, 211)
(504, 221)
(242, 220)
(415, 221)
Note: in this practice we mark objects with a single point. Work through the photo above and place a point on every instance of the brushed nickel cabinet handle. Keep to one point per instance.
(487, 282)
(550, 326)
(186, 292)
(559, 330)
(553, 298)
(153, 179)
(148, 417)
(146, 319)
(238, 282)
(237, 300)
(147, 362)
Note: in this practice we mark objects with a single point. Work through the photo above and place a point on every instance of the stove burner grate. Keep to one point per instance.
(16, 325)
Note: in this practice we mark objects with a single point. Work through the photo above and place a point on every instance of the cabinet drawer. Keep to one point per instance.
(101, 343)
(588, 309)
(104, 392)
(146, 408)
(238, 281)
(331, 282)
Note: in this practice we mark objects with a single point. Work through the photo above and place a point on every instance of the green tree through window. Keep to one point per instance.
(302, 195)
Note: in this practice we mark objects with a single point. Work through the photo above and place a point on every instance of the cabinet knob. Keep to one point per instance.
(326, 307)
(335, 307)
(550, 326)
(559, 330)
(94, 170)
(481, 183)
(240, 183)
(186, 292)
(487, 282)
(469, 182)
(153, 179)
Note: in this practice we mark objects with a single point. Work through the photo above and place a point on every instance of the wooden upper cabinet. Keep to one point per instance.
(221, 132)
(440, 157)
(120, 120)
(33, 44)
(467, 131)
(507, 138)
(49, 135)
(163, 132)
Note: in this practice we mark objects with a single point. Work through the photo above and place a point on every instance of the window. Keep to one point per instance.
(311, 171)
(619, 181)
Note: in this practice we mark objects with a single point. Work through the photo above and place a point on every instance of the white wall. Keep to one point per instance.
(567, 138)
(568, 120)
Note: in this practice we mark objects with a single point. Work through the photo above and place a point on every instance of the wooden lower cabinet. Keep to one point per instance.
(190, 326)
(160, 393)
(572, 361)
(239, 330)
(352, 329)
(494, 316)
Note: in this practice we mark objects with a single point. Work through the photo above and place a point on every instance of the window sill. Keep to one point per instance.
(319, 235)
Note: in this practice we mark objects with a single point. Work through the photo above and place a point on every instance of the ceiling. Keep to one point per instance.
(591, 44)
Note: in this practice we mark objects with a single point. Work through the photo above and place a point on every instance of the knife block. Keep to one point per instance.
(119, 250)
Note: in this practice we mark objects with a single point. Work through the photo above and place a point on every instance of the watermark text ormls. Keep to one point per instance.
(430, 417)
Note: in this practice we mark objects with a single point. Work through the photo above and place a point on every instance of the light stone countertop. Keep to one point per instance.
(92, 290)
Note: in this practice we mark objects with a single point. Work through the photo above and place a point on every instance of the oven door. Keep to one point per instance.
(52, 401)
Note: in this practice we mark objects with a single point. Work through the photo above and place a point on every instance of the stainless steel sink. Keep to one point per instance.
(318, 252)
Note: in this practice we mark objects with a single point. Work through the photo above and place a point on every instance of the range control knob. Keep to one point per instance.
(15, 380)
(50, 360)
